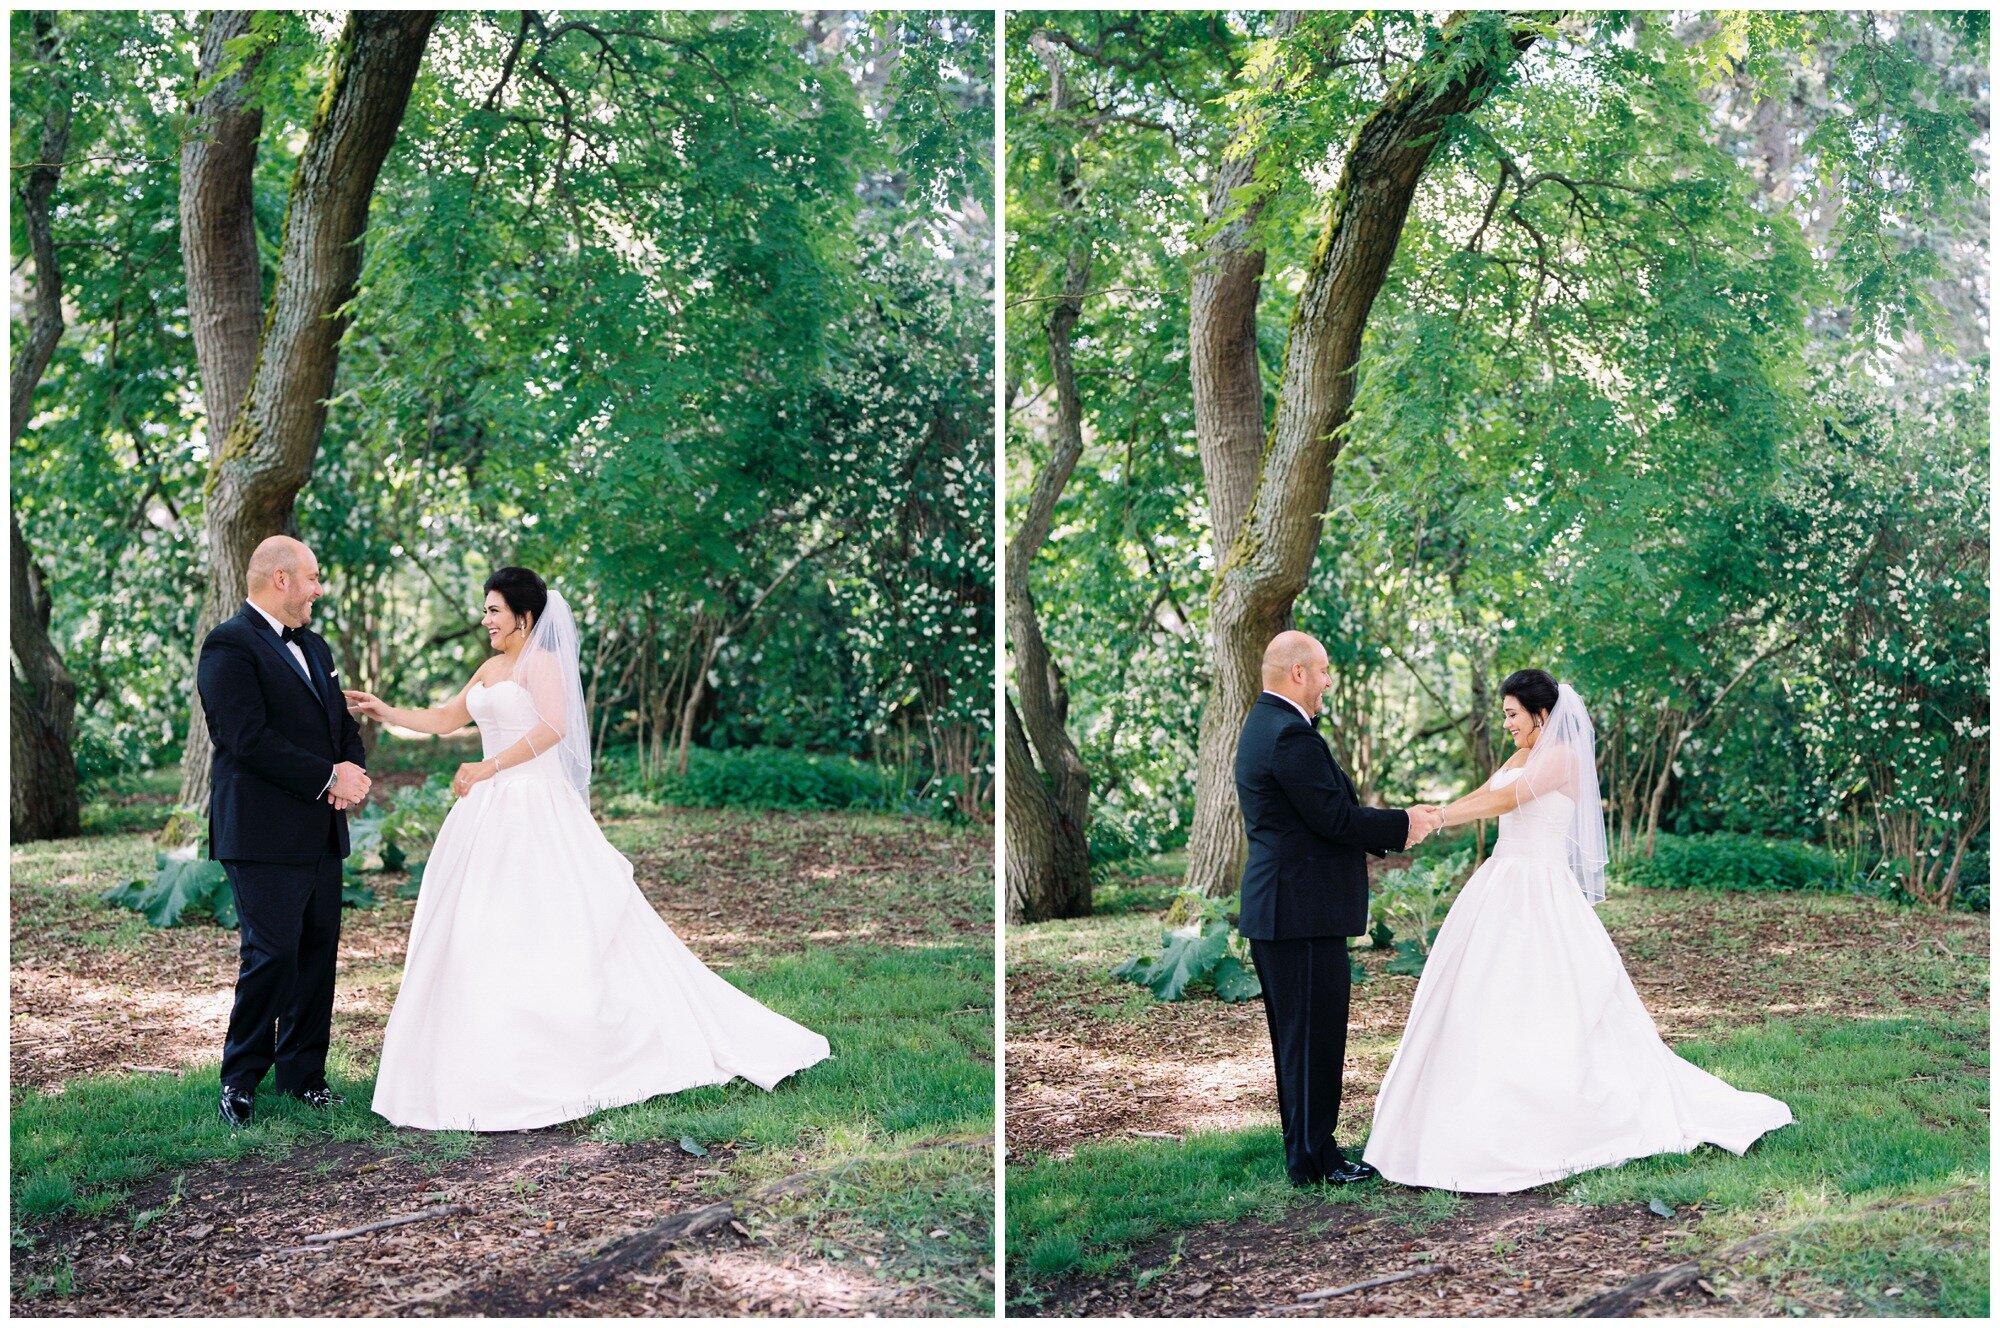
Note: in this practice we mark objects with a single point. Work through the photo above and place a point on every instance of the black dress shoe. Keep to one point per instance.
(236, 1107)
(1348, 1170)
(320, 1097)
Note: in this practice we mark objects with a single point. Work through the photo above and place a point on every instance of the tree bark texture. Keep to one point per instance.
(1222, 336)
(1048, 855)
(1266, 566)
(266, 455)
(218, 227)
(41, 693)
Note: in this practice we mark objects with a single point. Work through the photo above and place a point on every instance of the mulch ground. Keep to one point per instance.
(1708, 962)
(521, 1215)
(1506, 1255)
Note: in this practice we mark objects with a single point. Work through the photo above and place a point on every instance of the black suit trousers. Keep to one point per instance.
(289, 919)
(1306, 987)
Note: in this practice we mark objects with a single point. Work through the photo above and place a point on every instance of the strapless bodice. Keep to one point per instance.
(1539, 827)
(505, 714)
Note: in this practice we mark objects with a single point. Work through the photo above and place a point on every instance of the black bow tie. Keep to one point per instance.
(288, 634)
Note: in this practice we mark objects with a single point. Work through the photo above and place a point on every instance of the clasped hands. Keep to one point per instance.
(350, 786)
(1425, 821)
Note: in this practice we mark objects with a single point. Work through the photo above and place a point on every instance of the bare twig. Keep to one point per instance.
(325, 1238)
(1403, 1276)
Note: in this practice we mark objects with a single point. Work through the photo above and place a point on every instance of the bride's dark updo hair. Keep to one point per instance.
(1532, 688)
(524, 592)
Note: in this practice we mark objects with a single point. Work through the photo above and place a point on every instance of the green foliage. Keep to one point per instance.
(1754, 864)
(1203, 952)
(1737, 862)
(1412, 901)
(664, 305)
(1660, 357)
(184, 887)
(758, 778)
(401, 829)
(356, 893)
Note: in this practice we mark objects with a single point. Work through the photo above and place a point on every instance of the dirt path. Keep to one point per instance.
(229, 1240)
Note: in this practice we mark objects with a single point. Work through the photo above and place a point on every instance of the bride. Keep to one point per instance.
(540, 986)
(1528, 1055)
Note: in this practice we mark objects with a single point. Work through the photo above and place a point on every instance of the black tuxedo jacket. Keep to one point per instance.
(1307, 874)
(277, 738)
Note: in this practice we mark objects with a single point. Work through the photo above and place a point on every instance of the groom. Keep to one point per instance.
(1305, 891)
(287, 766)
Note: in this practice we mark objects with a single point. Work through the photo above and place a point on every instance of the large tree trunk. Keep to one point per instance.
(1048, 853)
(42, 696)
(1227, 375)
(1048, 857)
(1267, 564)
(225, 290)
(225, 286)
(273, 436)
(42, 711)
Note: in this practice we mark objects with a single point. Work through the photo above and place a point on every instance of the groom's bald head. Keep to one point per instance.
(1290, 649)
(1295, 668)
(283, 579)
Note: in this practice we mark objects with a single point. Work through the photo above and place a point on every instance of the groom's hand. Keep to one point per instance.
(1425, 821)
(350, 786)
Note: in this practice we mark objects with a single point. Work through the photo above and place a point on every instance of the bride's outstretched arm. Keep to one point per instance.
(1552, 772)
(1483, 804)
(448, 717)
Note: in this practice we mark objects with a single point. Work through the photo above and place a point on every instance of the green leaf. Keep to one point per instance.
(1234, 982)
(689, 1146)
(356, 893)
(410, 888)
(178, 885)
(1409, 960)
(1186, 957)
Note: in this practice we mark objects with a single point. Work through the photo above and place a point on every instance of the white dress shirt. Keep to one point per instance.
(299, 654)
(1293, 704)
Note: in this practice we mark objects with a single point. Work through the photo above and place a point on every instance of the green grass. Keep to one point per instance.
(1888, 1114)
(1880, 1182)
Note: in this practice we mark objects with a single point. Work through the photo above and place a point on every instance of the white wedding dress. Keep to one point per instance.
(540, 985)
(1528, 1055)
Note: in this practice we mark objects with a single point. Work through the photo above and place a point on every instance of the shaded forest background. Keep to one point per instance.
(1672, 380)
(689, 312)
